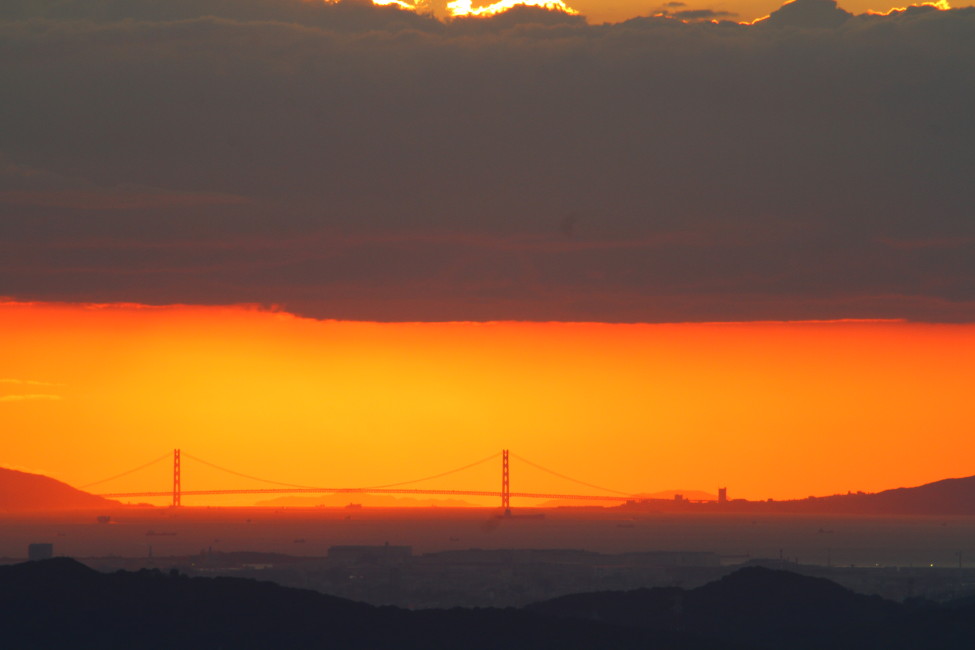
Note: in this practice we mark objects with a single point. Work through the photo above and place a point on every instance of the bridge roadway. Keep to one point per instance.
(466, 493)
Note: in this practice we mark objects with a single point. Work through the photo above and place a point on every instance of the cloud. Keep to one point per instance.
(366, 162)
(808, 14)
(355, 15)
(946, 242)
(27, 382)
(29, 398)
(21, 185)
(701, 14)
(115, 199)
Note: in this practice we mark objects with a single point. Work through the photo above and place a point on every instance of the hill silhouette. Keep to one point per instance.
(24, 492)
(952, 496)
(766, 608)
(61, 603)
(945, 497)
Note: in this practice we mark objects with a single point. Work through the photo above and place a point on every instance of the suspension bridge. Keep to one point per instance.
(505, 494)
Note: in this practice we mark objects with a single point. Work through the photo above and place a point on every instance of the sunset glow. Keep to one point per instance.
(747, 12)
(467, 8)
(401, 4)
(767, 409)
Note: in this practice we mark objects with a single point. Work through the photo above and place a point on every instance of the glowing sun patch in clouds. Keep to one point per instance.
(459, 8)
(466, 8)
(418, 7)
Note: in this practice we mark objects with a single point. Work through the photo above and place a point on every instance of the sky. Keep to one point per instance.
(219, 175)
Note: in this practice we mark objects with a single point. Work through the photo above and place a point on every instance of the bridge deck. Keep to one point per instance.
(468, 493)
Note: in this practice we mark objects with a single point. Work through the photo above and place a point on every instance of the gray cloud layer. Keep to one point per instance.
(360, 162)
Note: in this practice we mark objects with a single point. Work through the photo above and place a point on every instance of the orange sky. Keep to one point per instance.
(766, 409)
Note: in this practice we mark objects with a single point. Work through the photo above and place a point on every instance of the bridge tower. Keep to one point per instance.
(505, 484)
(177, 490)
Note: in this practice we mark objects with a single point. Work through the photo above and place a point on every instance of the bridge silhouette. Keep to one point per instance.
(505, 494)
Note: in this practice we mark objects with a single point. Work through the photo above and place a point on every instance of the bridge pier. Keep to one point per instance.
(505, 484)
(177, 489)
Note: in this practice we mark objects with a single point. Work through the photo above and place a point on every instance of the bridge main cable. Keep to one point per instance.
(131, 471)
(430, 478)
(569, 478)
(389, 488)
(371, 487)
(293, 487)
(472, 493)
(247, 476)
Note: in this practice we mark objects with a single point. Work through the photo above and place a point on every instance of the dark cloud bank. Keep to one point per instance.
(360, 162)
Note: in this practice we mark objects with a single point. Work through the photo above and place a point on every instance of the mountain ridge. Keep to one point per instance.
(27, 492)
(61, 603)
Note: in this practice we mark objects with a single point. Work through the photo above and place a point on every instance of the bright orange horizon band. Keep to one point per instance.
(616, 11)
(779, 410)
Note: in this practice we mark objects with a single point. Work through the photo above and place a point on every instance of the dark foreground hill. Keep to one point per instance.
(766, 608)
(62, 604)
(23, 492)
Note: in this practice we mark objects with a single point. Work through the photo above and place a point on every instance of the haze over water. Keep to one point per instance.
(813, 540)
